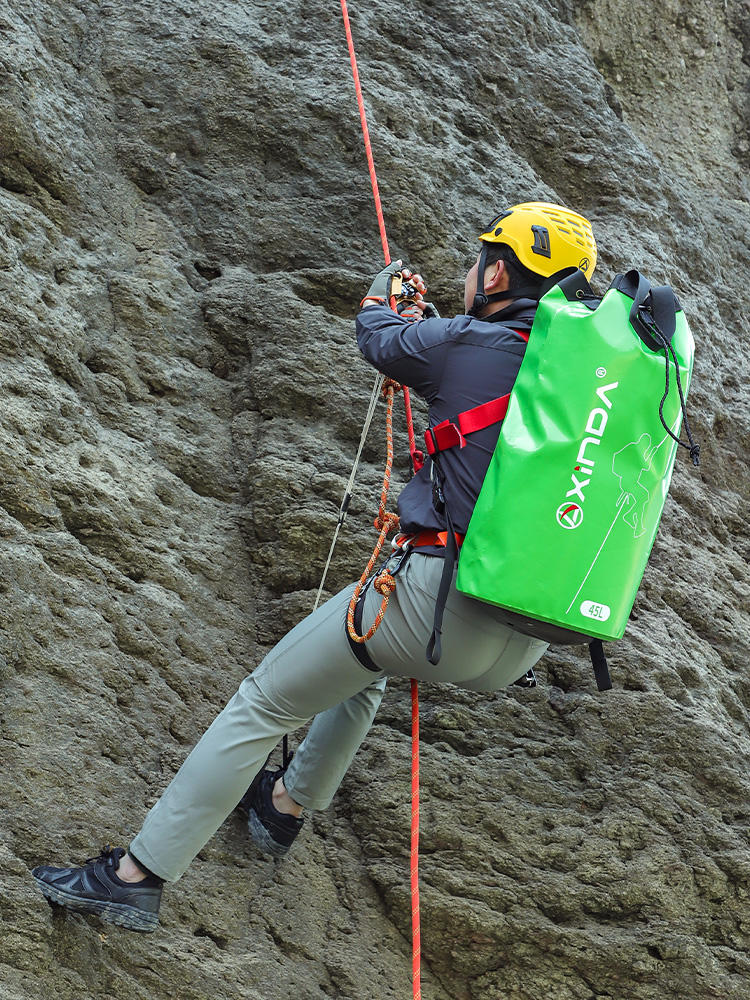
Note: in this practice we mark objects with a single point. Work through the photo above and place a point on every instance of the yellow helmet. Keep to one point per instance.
(546, 238)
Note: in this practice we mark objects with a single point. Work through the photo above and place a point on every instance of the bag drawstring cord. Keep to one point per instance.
(692, 447)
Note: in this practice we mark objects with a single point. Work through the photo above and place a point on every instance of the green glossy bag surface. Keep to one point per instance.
(572, 499)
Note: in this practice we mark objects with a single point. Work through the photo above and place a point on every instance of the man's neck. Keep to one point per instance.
(495, 307)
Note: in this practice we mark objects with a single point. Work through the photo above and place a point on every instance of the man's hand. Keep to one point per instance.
(383, 285)
(418, 309)
(407, 287)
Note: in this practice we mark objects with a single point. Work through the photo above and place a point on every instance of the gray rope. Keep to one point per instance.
(348, 492)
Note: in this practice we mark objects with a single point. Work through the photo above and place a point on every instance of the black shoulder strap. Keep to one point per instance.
(599, 663)
(434, 648)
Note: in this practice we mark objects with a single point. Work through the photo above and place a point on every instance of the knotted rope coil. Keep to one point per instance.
(385, 522)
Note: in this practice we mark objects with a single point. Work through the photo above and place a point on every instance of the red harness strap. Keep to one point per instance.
(447, 434)
(426, 537)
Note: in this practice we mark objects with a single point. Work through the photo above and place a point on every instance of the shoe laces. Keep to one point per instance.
(108, 855)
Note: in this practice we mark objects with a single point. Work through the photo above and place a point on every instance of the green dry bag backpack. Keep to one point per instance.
(569, 507)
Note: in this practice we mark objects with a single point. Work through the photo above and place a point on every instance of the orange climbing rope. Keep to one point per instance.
(385, 522)
(384, 583)
(365, 133)
(416, 952)
(416, 456)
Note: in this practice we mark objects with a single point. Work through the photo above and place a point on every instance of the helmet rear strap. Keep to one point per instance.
(536, 292)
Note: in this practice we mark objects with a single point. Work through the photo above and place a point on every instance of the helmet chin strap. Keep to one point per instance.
(481, 299)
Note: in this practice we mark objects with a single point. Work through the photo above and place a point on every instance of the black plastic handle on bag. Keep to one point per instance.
(654, 309)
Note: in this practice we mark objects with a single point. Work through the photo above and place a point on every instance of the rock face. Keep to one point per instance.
(185, 229)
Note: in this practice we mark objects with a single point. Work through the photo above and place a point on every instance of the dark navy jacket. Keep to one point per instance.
(454, 364)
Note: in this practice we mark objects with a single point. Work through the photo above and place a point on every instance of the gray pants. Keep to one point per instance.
(312, 671)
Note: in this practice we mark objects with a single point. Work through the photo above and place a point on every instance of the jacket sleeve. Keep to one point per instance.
(413, 353)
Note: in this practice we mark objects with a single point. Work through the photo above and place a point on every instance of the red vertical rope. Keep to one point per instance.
(414, 854)
(365, 133)
(417, 457)
(417, 460)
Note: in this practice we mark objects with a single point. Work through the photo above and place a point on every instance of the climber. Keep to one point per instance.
(317, 671)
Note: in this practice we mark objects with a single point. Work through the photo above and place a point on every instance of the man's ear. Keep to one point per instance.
(496, 277)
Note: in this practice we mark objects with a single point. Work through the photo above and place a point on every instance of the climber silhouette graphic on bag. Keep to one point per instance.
(632, 461)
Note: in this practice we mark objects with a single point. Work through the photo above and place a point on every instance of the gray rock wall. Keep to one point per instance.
(185, 228)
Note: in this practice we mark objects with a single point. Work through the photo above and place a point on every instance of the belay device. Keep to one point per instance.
(569, 508)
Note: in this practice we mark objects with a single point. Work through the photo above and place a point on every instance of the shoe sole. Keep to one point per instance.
(114, 913)
(262, 838)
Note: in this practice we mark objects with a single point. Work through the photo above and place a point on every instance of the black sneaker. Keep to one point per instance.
(95, 888)
(272, 831)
